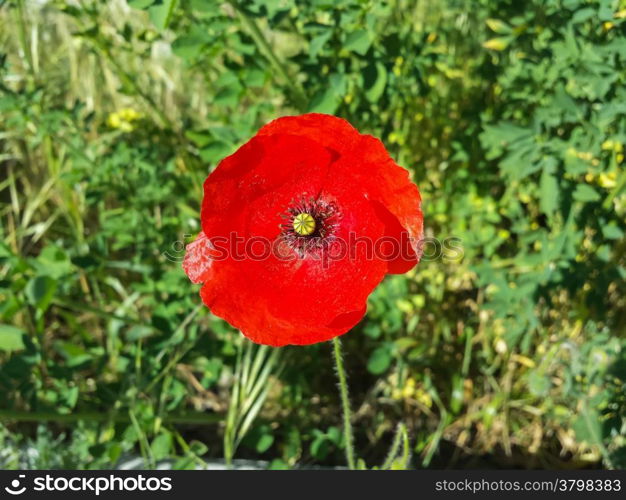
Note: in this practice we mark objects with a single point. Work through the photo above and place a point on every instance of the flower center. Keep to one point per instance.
(309, 225)
(304, 224)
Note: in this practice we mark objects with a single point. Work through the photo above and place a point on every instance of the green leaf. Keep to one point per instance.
(585, 193)
(199, 138)
(264, 443)
(161, 445)
(214, 152)
(71, 396)
(40, 291)
(320, 445)
(538, 384)
(317, 44)
(161, 13)
(588, 427)
(498, 43)
(379, 360)
(498, 26)
(583, 15)
(374, 81)
(334, 434)
(53, 262)
(11, 338)
(612, 232)
(324, 101)
(549, 193)
(358, 41)
(198, 448)
(505, 134)
(228, 96)
(75, 354)
(188, 47)
(278, 464)
(339, 84)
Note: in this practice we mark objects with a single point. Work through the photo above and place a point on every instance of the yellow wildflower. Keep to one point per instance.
(123, 119)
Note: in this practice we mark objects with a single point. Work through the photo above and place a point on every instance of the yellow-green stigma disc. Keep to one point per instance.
(304, 224)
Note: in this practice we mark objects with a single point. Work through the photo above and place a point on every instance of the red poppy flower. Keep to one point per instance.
(299, 226)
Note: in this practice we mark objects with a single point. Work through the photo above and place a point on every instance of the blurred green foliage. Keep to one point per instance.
(511, 117)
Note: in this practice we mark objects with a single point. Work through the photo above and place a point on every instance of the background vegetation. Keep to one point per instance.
(511, 116)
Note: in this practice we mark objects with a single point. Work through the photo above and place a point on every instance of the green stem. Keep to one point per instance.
(188, 450)
(144, 445)
(619, 185)
(265, 48)
(400, 439)
(23, 37)
(345, 403)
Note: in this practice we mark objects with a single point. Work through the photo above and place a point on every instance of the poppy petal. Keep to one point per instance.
(197, 261)
(391, 185)
(279, 166)
(294, 300)
(331, 131)
(375, 172)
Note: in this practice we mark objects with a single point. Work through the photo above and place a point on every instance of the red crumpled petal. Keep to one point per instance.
(330, 131)
(248, 314)
(197, 261)
(390, 184)
(373, 171)
(283, 167)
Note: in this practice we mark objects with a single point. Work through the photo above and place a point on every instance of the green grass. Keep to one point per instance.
(509, 116)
